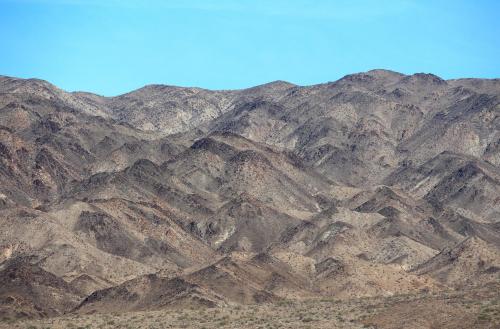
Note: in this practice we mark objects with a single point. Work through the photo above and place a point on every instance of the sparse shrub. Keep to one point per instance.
(484, 317)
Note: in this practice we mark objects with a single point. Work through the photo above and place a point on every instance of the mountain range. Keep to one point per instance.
(376, 184)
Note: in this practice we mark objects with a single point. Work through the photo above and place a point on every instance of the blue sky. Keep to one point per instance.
(113, 46)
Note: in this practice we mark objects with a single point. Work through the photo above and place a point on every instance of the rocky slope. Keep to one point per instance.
(376, 184)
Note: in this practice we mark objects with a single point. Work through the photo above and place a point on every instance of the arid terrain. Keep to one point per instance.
(472, 308)
(372, 201)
